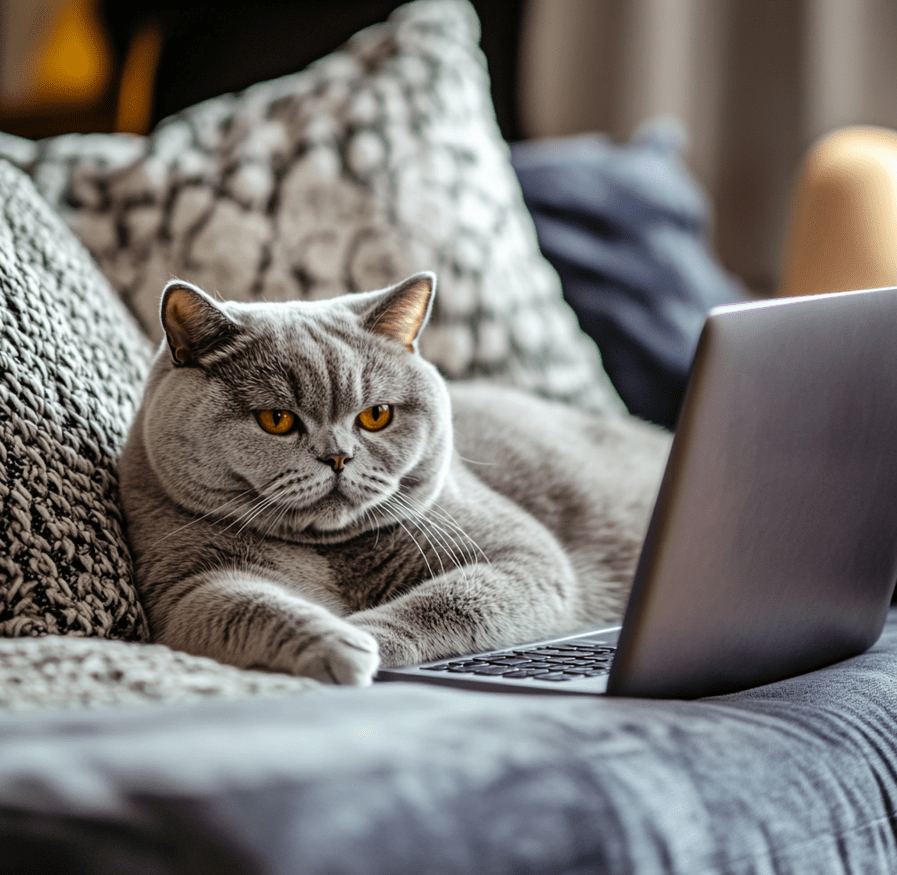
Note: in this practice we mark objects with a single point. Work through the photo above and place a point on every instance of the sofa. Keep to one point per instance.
(119, 755)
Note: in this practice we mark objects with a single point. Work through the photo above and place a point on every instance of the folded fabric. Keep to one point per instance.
(626, 229)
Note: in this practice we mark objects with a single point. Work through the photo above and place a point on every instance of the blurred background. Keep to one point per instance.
(753, 82)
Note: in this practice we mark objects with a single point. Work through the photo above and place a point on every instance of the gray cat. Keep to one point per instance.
(304, 493)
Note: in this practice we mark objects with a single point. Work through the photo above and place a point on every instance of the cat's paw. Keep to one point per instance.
(339, 654)
(395, 649)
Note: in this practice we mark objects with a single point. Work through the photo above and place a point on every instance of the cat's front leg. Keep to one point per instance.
(242, 619)
(479, 607)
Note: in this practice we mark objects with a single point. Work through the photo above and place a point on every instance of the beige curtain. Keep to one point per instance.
(754, 82)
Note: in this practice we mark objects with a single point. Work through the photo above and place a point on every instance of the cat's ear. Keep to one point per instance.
(401, 311)
(194, 324)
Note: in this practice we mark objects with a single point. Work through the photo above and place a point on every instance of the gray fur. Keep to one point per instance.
(478, 517)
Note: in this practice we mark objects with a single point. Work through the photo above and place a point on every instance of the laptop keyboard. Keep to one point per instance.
(546, 662)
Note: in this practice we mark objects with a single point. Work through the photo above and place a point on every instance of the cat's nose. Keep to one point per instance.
(337, 460)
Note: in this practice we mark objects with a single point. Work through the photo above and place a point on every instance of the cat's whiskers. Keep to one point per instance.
(373, 485)
(255, 507)
(263, 504)
(413, 518)
(371, 522)
(449, 520)
(453, 531)
(204, 516)
(451, 546)
(274, 525)
(386, 510)
(287, 509)
(447, 543)
(297, 491)
(451, 535)
(475, 462)
(446, 539)
(434, 510)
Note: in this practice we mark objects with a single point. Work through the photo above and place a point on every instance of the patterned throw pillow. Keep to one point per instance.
(71, 365)
(380, 160)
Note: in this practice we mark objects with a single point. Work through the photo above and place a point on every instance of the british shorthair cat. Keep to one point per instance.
(304, 493)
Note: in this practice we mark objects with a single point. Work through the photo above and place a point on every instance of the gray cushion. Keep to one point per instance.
(798, 778)
(72, 360)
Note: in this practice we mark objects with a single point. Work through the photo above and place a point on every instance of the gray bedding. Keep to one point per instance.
(797, 777)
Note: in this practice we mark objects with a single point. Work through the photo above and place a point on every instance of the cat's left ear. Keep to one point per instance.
(401, 311)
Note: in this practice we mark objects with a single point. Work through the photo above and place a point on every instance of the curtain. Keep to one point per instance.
(753, 82)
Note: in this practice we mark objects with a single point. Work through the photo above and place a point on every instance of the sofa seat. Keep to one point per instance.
(796, 777)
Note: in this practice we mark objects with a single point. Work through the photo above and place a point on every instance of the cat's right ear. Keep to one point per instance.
(194, 324)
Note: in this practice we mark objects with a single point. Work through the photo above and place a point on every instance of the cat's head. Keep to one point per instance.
(305, 420)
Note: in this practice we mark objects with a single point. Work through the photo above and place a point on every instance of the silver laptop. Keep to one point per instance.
(772, 549)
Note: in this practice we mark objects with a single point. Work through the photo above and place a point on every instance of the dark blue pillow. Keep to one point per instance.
(626, 229)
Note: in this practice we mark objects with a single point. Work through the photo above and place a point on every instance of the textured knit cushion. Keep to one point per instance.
(382, 159)
(54, 672)
(71, 365)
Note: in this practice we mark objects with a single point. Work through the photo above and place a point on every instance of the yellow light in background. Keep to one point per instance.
(138, 75)
(74, 64)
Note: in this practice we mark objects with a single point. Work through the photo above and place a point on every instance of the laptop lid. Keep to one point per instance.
(772, 550)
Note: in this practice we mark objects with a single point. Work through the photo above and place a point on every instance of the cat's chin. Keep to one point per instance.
(333, 520)
(330, 526)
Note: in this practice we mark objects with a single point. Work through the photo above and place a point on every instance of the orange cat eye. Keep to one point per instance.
(375, 418)
(276, 421)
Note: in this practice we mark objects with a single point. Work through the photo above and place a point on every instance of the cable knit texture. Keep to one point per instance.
(74, 673)
(71, 365)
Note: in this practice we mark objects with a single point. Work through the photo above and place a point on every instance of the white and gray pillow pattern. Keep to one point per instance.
(382, 159)
(72, 360)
